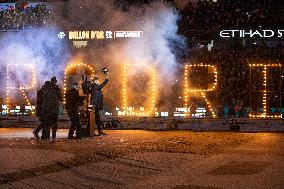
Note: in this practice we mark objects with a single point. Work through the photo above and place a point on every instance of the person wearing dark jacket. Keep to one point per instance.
(73, 101)
(39, 102)
(51, 103)
(97, 100)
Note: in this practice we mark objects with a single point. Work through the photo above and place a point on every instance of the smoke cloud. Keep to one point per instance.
(40, 48)
(158, 47)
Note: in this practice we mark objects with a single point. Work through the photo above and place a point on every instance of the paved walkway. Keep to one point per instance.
(23, 133)
(143, 159)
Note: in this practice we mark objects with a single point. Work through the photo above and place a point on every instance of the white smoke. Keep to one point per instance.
(39, 47)
(157, 20)
(159, 25)
(157, 48)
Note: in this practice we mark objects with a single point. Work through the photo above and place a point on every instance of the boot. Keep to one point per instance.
(36, 134)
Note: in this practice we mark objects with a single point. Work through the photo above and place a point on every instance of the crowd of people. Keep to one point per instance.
(29, 17)
(212, 16)
(205, 15)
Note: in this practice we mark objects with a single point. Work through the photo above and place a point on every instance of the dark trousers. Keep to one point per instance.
(75, 123)
(98, 120)
(49, 122)
(40, 126)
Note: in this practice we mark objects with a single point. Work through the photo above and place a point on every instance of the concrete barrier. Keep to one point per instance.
(157, 123)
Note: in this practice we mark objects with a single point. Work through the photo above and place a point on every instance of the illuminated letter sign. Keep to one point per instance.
(150, 109)
(188, 90)
(68, 68)
(11, 68)
(265, 91)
